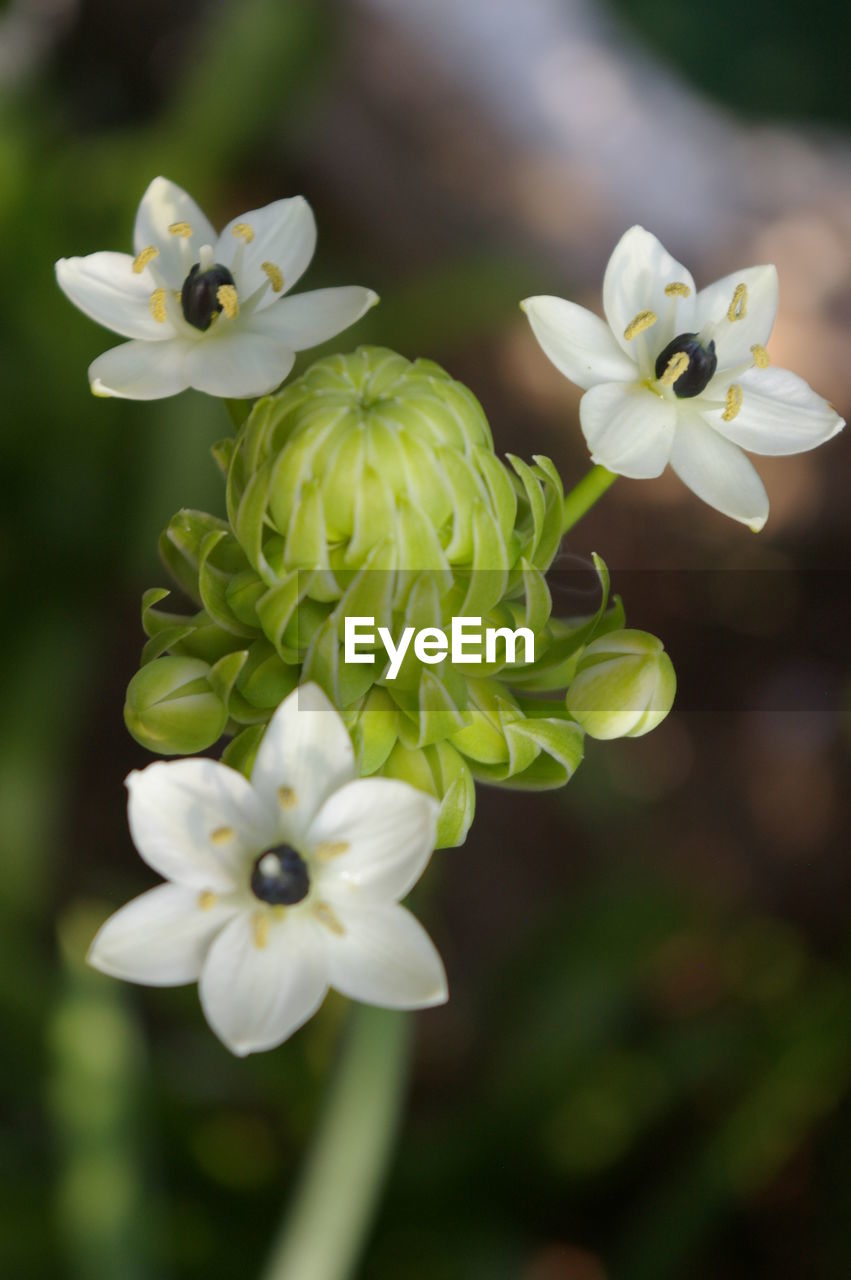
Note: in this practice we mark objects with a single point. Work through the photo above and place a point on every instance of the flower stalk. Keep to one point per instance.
(583, 495)
(324, 1232)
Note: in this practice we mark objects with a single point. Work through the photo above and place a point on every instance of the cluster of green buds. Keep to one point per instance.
(369, 487)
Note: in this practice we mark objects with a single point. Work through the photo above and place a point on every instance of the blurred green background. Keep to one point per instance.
(643, 1071)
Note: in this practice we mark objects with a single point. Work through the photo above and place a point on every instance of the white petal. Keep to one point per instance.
(306, 753)
(390, 829)
(140, 370)
(734, 338)
(160, 938)
(780, 414)
(718, 472)
(163, 205)
(197, 822)
(384, 956)
(306, 319)
(255, 997)
(234, 362)
(636, 277)
(580, 344)
(628, 428)
(284, 235)
(106, 289)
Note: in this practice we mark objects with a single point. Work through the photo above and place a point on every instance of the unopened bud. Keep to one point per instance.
(624, 685)
(171, 707)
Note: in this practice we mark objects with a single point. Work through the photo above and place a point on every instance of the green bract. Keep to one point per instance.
(369, 487)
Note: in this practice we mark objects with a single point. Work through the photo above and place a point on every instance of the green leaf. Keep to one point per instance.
(213, 585)
(241, 751)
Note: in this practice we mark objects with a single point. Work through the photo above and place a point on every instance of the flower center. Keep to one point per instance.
(280, 877)
(701, 366)
(200, 295)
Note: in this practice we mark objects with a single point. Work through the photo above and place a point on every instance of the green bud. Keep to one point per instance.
(443, 773)
(171, 707)
(372, 451)
(624, 685)
(369, 488)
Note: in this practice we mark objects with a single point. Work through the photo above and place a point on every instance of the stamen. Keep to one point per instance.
(221, 835)
(286, 797)
(260, 930)
(677, 290)
(327, 916)
(243, 231)
(330, 849)
(207, 900)
(734, 403)
(275, 274)
(675, 368)
(644, 320)
(182, 229)
(158, 306)
(686, 365)
(228, 300)
(738, 308)
(142, 259)
(761, 358)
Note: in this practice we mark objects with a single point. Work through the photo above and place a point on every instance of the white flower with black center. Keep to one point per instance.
(682, 377)
(203, 310)
(280, 887)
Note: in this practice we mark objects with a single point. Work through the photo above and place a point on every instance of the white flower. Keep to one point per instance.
(280, 887)
(682, 377)
(203, 310)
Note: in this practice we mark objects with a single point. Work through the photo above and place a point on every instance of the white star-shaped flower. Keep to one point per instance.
(682, 377)
(203, 310)
(280, 887)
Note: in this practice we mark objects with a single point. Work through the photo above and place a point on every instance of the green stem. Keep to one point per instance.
(333, 1207)
(238, 411)
(583, 495)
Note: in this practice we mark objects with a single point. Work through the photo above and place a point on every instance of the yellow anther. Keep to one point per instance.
(207, 900)
(182, 229)
(243, 231)
(227, 298)
(286, 797)
(675, 368)
(158, 306)
(738, 308)
(142, 259)
(761, 358)
(330, 849)
(677, 290)
(327, 916)
(275, 274)
(260, 930)
(734, 403)
(644, 320)
(221, 835)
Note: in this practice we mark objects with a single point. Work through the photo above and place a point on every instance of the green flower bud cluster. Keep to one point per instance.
(369, 487)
